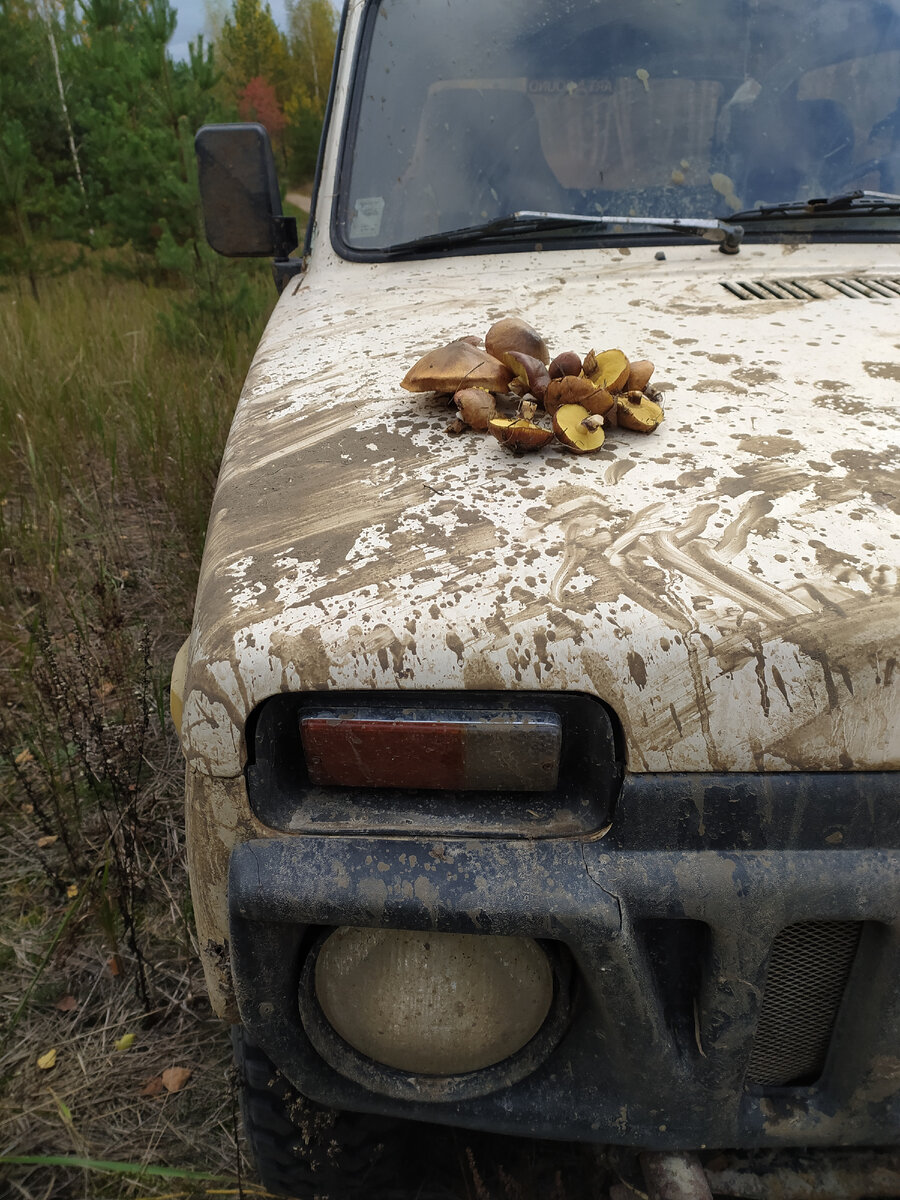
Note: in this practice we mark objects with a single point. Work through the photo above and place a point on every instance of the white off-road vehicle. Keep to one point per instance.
(556, 793)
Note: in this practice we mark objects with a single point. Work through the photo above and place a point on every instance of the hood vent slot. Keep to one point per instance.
(872, 289)
(814, 289)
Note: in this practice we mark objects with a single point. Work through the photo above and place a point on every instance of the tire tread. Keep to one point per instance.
(304, 1150)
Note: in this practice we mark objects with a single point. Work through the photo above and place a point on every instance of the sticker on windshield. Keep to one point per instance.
(367, 214)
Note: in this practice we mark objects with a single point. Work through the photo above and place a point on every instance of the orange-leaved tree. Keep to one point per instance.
(258, 102)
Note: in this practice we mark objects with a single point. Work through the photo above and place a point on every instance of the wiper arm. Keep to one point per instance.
(726, 233)
(866, 203)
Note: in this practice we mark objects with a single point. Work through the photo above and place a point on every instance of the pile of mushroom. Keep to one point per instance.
(503, 387)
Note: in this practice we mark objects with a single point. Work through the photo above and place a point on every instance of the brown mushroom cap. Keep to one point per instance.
(476, 406)
(519, 434)
(575, 389)
(512, 333)
(529, 371)
(567, 363)
(460, 364)
(638, 375)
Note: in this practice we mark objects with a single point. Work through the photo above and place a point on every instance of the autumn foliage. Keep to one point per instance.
(258, 102)
(98, 116)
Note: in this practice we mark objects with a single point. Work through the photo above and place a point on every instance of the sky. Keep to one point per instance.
(192, 20)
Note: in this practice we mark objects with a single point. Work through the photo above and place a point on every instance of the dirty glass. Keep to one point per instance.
(469, 110)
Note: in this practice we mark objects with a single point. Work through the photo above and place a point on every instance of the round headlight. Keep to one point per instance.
(433, 1003)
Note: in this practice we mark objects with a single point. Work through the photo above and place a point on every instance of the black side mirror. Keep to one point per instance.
(239, 193)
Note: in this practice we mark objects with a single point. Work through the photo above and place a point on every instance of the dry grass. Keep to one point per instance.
(111, 429)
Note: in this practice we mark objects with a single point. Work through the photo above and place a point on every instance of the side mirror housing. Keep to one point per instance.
(239, 193)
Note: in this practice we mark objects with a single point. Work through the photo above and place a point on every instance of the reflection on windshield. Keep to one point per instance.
(474, 109)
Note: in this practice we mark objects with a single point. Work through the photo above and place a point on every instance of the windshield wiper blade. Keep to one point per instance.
(862, 202)
(726, 233)
(471, 234)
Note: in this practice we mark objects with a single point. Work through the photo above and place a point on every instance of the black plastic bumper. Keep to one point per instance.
(670, 947)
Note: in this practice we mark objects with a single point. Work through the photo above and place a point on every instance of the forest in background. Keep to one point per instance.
(98, 120)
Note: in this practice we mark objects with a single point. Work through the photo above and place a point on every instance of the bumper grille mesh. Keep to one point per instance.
(808, 971)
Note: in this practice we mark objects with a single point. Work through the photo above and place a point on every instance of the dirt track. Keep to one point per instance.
(299, 200)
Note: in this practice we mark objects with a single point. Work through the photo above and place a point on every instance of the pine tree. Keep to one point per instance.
(133, 110)
(253, 47)
(34, 165)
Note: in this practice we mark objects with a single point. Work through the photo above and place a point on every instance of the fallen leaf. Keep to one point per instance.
(48, 1060)
(44, 842)
(174, 1078)
(27, 809)
(66, 1004)
(114, 965)
(153, 1086)
(72, 891)
(105, 689)
(125, 1042)
(25, 757)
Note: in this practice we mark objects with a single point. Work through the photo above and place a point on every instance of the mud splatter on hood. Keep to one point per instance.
(729, 585)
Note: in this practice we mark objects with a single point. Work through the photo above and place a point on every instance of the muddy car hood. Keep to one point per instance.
(728, 585)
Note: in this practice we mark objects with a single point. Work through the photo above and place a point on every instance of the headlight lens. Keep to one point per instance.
(433, 1003)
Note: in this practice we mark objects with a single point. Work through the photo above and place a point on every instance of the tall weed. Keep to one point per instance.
(115, 400)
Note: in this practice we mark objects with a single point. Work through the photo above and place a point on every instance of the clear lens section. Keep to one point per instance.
(451, 750)
(432, 1003)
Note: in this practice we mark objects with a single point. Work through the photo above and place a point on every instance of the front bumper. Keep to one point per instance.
(670, 951)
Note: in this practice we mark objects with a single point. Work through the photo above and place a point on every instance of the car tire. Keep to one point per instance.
(305, 1150)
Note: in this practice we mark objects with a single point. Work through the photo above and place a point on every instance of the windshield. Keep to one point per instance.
(466, 111)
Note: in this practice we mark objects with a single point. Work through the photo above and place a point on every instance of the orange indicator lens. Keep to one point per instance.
(442, 751)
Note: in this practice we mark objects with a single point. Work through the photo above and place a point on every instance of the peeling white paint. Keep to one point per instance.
(729, 584)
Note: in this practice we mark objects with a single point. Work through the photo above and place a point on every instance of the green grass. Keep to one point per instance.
(98, 404)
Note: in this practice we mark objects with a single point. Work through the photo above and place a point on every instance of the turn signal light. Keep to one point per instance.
(443, 750)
